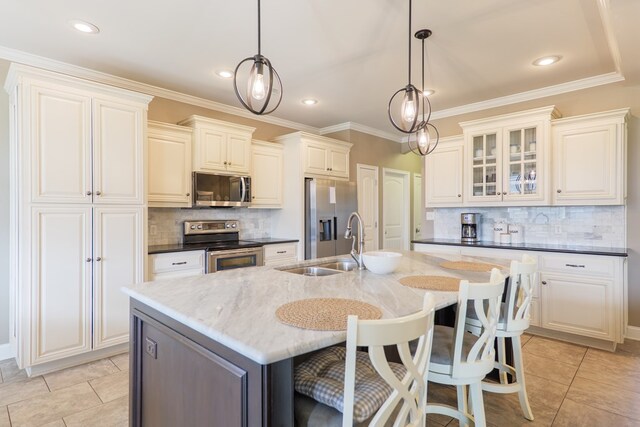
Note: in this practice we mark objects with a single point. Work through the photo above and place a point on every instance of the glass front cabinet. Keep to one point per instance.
(507, 161)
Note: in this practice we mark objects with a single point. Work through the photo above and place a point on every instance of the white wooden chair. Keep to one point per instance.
(463, 359)
(514, 320)
(400, 388)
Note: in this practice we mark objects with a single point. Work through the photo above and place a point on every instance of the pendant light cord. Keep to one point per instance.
(409, 41)
(259, 50)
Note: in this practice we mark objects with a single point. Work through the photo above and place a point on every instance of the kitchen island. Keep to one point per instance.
(209, 350)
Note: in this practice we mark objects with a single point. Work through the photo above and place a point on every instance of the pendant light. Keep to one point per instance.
(263, 92)
(426, 139)
(407, 118)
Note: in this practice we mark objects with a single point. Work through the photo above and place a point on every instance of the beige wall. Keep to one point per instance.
(4, 208)
(375, 151)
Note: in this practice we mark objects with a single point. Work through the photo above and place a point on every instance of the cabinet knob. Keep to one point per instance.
(229, 163)
(459, 195)
(253, 197)
(559, 190)
(98, 193)
(544, 282)
(88, 259)
(89, 193)
(225, 162)
(98, 259)
(504, 193)
(188, 194)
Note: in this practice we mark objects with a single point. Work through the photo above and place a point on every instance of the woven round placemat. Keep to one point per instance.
(469, 266)
(325, 314)
(432, 283)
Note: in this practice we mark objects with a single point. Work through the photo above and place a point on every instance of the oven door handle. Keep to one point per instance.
(243, 186)
(235, 251)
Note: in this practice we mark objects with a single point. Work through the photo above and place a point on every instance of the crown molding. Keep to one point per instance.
(21, 57)
(604, 9)
(360, 128)
(586, 83)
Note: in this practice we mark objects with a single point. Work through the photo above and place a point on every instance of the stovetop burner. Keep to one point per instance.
(216, 235)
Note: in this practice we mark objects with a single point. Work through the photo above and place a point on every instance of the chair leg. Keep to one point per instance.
(462, 400)
(475, 392)
(502, 359)
(519, 367)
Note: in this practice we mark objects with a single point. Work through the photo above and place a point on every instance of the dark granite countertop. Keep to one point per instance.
(179, 247)
(569, 249)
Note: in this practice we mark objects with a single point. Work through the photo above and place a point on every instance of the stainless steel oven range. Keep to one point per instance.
(220, 238)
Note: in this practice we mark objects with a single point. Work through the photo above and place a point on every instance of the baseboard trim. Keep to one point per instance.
(6, 351)
(633, 333)
(68, 362)
(575, 339)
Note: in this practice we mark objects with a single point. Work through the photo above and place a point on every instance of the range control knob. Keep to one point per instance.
(199, 226)
(227, 225)
(234, 225)
(193, 227)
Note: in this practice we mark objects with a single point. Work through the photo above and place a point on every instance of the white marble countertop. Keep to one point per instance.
(237, 307)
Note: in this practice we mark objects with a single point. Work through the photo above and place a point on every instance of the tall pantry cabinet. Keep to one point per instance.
(78, 215)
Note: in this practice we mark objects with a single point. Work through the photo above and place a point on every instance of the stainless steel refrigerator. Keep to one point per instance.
(328, 205)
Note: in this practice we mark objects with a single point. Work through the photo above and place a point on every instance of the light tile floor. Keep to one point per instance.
(568, 385)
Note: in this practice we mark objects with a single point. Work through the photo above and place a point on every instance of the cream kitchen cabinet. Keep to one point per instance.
(220, 147)
(325, 158)
(83, 256)
(443, 171)
(507, 159)
(267, 169)
(77, 156)
(280, 254)
(172, 265)
(86, 147)
(589, 159)
(169, 165)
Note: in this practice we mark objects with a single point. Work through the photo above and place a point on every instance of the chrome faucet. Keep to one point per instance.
(356, 255)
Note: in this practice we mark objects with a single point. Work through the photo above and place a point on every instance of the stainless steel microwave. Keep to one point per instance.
(214, 190)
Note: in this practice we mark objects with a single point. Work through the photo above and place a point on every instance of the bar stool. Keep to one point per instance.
(344, 387)
(514, 320)
(463, 359)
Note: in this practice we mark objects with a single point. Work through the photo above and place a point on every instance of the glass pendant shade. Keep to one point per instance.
(425, 140)
(263, 92)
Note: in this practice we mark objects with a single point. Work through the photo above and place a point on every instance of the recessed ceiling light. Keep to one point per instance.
(225, 74)
(428, 92)
(547, 60)
(84, 27)
(309, 101)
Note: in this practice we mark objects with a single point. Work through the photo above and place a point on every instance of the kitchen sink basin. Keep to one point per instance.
(340, 265)
(312, 271)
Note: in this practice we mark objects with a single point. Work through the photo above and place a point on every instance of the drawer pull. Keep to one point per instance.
(281, 252)
(179, 263)
(544, 282)
(575, 265)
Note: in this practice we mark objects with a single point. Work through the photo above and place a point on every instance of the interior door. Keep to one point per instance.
(368, 204)
(346, 203)
(417, 206)
(396, 208)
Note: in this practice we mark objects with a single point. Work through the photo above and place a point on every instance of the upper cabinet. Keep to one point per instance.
(443, 173)
(220, 147)
(589, 159)
(169, 152)
(506, 161)
(86, 147)
(324, 157)
(267, 160)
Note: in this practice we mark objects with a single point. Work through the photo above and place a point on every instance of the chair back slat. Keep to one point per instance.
(408, 399)
(522, 282)
(484, 299)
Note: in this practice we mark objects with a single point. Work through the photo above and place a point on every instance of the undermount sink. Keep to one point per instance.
(312, 271)
(340, 265)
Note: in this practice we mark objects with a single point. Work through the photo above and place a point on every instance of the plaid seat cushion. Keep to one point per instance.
(321, 377)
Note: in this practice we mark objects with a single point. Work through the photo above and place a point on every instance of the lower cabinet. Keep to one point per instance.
(82, 257)
(280, 254)
(181, 378)
(172, 265)
(577, 294)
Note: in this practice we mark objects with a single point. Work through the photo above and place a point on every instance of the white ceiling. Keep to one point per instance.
(350, 55)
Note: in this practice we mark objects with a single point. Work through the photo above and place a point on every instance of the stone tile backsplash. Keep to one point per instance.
(602, 226)
(165, 224)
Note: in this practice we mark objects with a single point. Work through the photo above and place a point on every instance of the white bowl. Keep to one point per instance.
(381, 262)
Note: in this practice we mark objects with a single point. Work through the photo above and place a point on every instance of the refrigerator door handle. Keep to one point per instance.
(335, 228)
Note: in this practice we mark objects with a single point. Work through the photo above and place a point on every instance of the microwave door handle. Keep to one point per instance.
(243, 187)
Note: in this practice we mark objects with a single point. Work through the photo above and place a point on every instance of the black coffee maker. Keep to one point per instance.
(470, 227)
